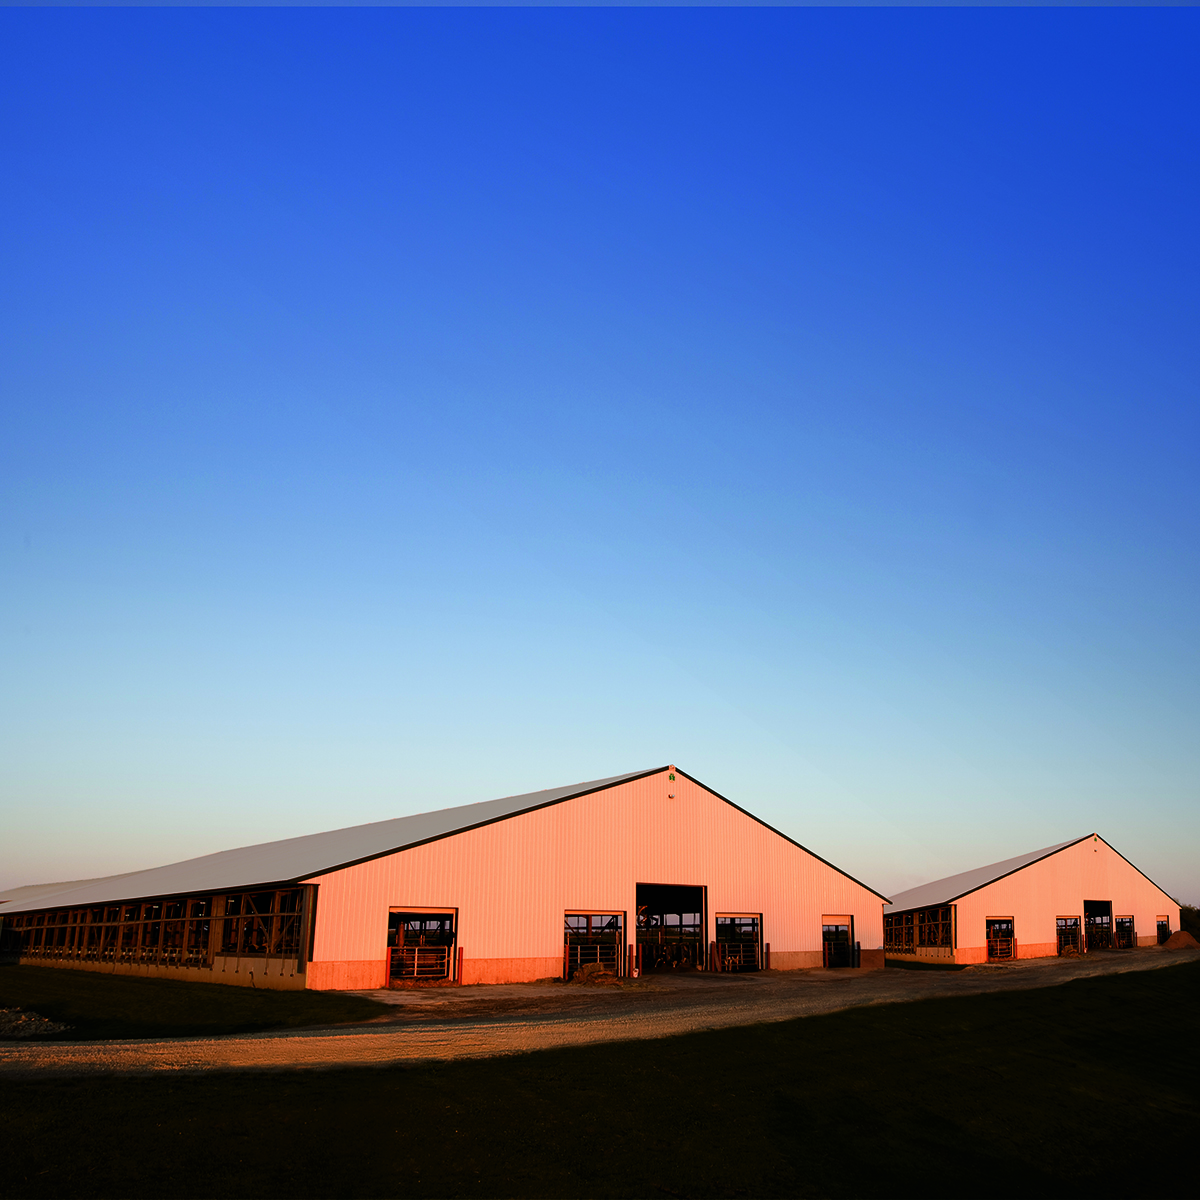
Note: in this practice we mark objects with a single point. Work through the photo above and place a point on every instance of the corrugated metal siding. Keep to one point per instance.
(1058, 886)
(512, 881)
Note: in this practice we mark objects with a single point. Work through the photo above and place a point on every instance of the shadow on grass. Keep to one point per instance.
(99, 1005)
(1088, 1089)
(903, 964)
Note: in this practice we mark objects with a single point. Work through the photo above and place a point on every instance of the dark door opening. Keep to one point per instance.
(670, 927)
(837, 946)
(420, 946)
(1124, 934)
(1163, 925)
(1067, 929)
(739, 944)
(593, 939)
(1001, 942)
(1097, 924)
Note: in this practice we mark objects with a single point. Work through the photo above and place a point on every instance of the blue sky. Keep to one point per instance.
(403, 408)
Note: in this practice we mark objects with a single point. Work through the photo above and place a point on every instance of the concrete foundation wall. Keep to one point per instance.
(794, 960)
(274, 974)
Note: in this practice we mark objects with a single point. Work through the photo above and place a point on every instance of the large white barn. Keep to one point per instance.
(648, 871)
(1073, 898)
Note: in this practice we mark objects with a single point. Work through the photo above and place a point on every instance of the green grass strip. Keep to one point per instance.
(100, 1005)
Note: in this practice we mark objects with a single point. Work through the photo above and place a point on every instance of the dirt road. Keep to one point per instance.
(478, 1022)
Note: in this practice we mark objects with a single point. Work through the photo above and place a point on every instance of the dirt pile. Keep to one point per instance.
(17, 1024)
(1180, 940)
(593, 974)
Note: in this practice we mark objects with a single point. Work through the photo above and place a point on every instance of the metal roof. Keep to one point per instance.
(953, 887)
(24, 897)
(293, 858)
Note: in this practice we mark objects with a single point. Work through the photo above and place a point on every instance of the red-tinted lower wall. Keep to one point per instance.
(348, 976)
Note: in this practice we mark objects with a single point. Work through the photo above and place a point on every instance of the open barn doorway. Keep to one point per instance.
(670, 927)
(1001, 939)
(1097, 924)
(739, 945)
(421, 946)
(838, 948)
(595, 940)
(1067, 930)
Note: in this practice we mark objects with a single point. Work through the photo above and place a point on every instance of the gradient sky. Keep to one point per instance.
(405, 408)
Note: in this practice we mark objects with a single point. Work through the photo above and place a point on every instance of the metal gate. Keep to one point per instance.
(420, 962)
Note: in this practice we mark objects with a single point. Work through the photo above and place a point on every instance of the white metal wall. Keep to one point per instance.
(513, 880)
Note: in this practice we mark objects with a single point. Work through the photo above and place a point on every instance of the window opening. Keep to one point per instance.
(935, 927)
(899, 933)
(174, 932)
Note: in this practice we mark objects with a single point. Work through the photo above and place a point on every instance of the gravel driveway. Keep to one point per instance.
(439, 1024)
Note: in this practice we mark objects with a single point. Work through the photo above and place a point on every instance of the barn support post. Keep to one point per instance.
(215, 925)
(308, 930)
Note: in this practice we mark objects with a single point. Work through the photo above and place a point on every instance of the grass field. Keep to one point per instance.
(98, 1005)
(1089, 1089)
